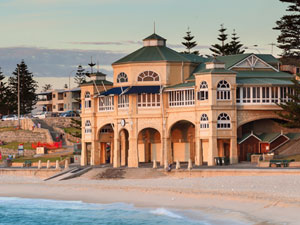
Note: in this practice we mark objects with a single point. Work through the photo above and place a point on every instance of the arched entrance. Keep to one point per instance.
(124, 146)
(106, 142)
(149, 145)
(182, 136)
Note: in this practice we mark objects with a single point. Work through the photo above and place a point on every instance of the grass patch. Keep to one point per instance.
(73, 131)
(43, 159)
(2, 129)
(14, 145)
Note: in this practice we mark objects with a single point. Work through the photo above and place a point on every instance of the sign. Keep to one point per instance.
(21, 150)
(123, 123)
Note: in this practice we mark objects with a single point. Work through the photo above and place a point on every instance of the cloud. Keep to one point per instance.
(105, 42)
(55, 62)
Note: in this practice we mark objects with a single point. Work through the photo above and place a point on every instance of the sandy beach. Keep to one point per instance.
(255, 199)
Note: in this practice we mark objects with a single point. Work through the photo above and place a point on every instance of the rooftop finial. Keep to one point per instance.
(154, 26)
(97, 66)
(92, 64)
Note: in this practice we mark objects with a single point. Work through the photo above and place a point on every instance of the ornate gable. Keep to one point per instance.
(253, 62)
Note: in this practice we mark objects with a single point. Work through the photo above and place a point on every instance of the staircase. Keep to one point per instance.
(53, 133)
(292, 147)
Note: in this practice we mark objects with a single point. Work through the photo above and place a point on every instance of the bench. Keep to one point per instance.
(27, 163)
(280, 162)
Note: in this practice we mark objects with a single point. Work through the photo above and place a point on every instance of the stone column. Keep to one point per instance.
(83, 160)
(133, 159)
(95, 151)
(199, 152)
(212, 150)
(117, 153)
(167, 150)
(233, 151)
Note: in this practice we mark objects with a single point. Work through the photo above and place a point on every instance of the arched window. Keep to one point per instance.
(204, 121)
(203, 92)
(87, 100)
(224, 121)
(88, 127)
(148, 76)
(223, 90)
(122, 77)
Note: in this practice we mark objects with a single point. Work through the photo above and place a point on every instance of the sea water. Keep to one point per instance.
(14, 211)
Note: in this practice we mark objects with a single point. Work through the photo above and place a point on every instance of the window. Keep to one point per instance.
(223, 90)
(54, 106)
(87, 100)
(65, 94)
(122, 77)
(223, 121)
(204, 121)
(88, 127)
(106, 103)
(256, 94)
(53, 96)
(148, 100)
(265, 94)
(182, 98)
(203, 93)
(148, 76)
(246, 95)
(284, 94)
(238, 95)
(123, 101)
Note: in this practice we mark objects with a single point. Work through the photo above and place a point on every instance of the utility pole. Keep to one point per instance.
(19, 125)
(272, 44)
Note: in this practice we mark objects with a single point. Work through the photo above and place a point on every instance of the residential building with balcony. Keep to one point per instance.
(60, 100)
(167, 106)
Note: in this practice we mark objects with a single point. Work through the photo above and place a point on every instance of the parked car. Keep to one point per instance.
(10, 117)
(69, 114)
(42, 115)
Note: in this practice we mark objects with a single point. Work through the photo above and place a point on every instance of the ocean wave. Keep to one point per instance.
(165, 212)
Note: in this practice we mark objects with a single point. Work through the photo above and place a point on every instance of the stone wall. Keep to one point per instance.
(23, 136)
(8, 123)
(61, 122)
(6, 152)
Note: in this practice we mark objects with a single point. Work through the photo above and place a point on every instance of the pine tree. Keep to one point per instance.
(291, 109)
(222, 49)
(189, 44)
(28, 88)
(289, 26)
(3, 95)
(47, 87)
(235, 45)
(80, 76)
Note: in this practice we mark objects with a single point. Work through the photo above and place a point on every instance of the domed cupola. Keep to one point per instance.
(154, 40)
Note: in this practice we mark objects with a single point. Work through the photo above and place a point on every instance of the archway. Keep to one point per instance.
(259, 136)
(106, 144)
(124, 146)
(149, 145)
(182, 136)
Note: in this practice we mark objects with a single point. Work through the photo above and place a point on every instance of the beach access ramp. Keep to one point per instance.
(69, 174)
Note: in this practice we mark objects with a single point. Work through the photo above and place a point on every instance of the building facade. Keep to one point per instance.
(60, 100)
(167, 106)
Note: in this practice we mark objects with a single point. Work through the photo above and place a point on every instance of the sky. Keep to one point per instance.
(55, 36)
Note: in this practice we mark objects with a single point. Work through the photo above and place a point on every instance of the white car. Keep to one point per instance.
(10, 117)
(42, 115)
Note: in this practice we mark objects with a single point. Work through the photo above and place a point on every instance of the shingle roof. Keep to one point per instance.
(293, 136)
(152, 54)
(260, 74)
(182, 85)
(216, 71)
(263, 81)
(98, 82)
(154, 37)
(268, 137)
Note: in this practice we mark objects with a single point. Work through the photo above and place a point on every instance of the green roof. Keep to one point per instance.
(195, 58)
(154, 36)
(216, 70)
(152, 54)
(98, 82)
(182, 85)
(246, 136)
(263, 81)
(260, 74)
(268, 137)
(293, 136)
(231, 60)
